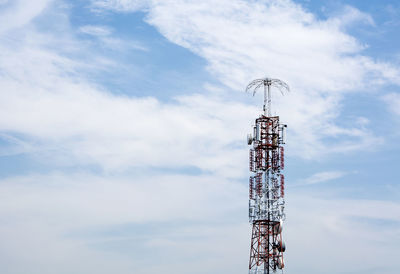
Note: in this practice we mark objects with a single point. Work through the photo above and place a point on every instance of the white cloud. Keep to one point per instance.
(122, 45)
(321, 62)
(77, 201)
(103, 33)
(328, 226)
(90, 126)
(119, 5)
(96, 30)
(52, 107)
(242, 39)
(52, 112)
(20, 13)
(350, 15)
(70, 215)
(321, 177)
(193, 221)
(393, 101)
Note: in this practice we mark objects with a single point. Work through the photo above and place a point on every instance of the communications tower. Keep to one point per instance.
(266, 184)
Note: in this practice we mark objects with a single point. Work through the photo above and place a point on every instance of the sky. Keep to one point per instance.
(123, 130)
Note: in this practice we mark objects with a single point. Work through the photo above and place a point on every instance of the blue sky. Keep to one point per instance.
(123, 133)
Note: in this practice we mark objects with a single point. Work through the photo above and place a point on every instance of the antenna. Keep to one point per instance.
(267, 83)
(267, 184)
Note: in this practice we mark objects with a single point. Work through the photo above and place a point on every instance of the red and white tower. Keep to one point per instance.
(266, 184)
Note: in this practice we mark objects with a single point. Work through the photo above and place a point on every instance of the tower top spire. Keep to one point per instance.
(267, 83)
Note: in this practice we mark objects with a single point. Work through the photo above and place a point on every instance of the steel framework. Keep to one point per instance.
(266, 184)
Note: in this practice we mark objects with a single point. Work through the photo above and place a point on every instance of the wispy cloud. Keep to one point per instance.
(322, 177)
(333, 223)
(96, 30)
(104, 36)
(52, 108)
(393, 102)
(121, 221)
(321, 62)
(350, 15)
(119, 5)
(20, 12)
(79, 214)
(90, 124)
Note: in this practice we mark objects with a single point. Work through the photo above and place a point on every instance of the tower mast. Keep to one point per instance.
(266, 184)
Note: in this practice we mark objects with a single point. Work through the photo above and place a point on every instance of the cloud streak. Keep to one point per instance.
(322, 177)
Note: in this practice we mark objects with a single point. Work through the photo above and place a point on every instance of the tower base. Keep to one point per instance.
(266, 247)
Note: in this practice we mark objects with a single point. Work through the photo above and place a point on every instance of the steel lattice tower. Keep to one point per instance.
(266, 184)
